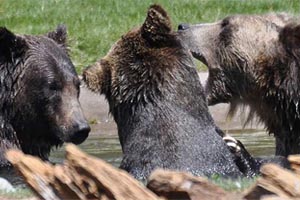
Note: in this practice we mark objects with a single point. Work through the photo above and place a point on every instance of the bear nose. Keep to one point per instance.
(81, 133)
(183, 26)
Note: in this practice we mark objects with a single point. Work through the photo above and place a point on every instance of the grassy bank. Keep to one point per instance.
(94, 25)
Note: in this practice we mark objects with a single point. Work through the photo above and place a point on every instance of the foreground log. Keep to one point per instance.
(86, 177)
(276, 181)
(180, 185)
(116, 183)
(82, 177)
(295, 163)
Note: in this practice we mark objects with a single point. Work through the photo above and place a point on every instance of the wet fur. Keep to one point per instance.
(256, 64)
(158, 103)
(23, 123)
(155, 96)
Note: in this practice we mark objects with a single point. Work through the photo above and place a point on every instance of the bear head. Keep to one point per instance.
(253, 60)
(40, 91)
(234, 50)
(134, 69)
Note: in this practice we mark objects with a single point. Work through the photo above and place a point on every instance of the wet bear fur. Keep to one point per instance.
(158, 103)
(39, 91)
(253, 60)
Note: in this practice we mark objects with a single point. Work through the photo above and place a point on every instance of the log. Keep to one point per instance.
(271, 197)
(295, 163)
(81, 177)
(180, 185)
(257, 192)
(295, 159)
(86, 177)
(115, 183)
(37, 174)
(277, 181)
(281, 181)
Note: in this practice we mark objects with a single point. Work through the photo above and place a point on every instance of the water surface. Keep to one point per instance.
(107, 147)
(257, 142)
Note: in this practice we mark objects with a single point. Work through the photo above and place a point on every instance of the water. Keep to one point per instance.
(107, 147)
(257, 142)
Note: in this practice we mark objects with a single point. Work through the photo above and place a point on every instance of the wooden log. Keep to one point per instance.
(36, 173)
(115, 183)
(257, 192)
(271, 197)
(277, 181)
(295, 159)
(87, 177)
(180, 185)
(81, 177)
(282, 181)
(295, 163)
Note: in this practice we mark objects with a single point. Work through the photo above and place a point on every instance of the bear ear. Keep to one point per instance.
(290, 36)
(59, 35)
(157, 26)
(11, 46)
(97, 77)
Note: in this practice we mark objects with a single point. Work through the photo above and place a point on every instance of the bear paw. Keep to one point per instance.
(233, 144)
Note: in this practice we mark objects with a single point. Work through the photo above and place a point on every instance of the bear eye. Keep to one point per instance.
(225, 22)
(54, 86)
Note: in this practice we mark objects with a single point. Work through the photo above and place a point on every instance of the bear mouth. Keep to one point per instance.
(199, 56)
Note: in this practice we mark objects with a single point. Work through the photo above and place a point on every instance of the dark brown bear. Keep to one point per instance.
(39, 91)
(254, 60)
(158, 103)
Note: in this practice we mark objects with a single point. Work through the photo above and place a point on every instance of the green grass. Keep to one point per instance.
(94, 25)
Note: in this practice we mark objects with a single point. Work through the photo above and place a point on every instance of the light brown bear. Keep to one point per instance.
(253, 60)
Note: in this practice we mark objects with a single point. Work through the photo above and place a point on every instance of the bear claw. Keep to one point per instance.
(232, 144)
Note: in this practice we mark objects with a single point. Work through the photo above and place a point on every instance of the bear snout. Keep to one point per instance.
(80, 132)
(182, 27)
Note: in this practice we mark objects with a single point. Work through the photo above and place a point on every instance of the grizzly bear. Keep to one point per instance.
(158, 103)
(253, 60)
(39, 94)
